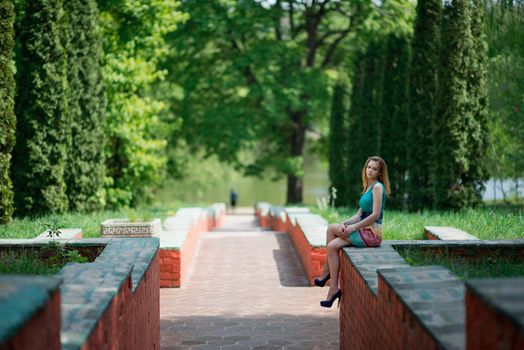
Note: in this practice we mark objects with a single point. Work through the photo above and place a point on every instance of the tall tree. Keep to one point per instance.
(371, 117)
(135, 127)
(366, 113)
(356, 154)
(505, 25)
(85, 170)
(457, 177)
(255, 77)
(40, 152)
(422, 102)
(338, 138)
(394, 120)
(7, 116)
(478, 95)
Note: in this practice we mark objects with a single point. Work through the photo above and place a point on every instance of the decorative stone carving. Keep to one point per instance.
(127, 228)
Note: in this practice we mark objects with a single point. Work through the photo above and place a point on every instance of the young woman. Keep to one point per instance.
(364, 229)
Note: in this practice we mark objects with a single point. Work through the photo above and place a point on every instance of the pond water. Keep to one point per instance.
(210, 181)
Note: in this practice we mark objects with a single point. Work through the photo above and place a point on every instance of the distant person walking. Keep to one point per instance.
(233, 200)
(364, 229)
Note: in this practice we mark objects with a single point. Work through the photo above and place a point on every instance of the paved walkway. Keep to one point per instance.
(246, 290)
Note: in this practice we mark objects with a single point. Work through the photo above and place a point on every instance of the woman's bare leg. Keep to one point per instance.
(333, 259)
(330, 235)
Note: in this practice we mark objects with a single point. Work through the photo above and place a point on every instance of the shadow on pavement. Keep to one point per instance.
(277, 331)
(290, 269)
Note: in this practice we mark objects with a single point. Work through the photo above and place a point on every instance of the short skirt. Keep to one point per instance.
(364, 238)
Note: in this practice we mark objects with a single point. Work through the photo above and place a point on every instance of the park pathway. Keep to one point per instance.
(246, 289)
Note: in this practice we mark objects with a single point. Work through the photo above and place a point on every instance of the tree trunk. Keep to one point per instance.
(295, 184)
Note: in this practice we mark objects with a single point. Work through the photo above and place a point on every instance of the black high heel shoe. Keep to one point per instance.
(321, 282)
(329, 302)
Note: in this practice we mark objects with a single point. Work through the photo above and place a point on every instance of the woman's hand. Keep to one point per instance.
(344, 231)
(350, 229)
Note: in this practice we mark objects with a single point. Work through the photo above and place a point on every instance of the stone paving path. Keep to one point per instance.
(246, 289)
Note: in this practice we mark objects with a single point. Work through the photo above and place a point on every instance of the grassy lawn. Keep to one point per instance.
(47, 260)
(488, 222)
(90, 223)
(487, 267)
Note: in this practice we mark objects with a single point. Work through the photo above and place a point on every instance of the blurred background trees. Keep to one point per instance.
(116, 97)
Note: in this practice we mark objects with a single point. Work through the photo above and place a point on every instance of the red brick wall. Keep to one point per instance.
(430, 236)
(312, 258)
(187, 251)
(132, 320)
(487, 329)
(264, 221)
(369, 321)
(278, 225)
(42, 331)
(169, 268)
(174, 263)
(358, 326)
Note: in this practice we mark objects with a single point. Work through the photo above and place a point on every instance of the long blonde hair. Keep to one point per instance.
(382, 174)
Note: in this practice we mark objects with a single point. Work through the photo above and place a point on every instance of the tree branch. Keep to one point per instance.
(312, 22)
(278, 32)
(290, 14)
(334, 44)
(328, 34)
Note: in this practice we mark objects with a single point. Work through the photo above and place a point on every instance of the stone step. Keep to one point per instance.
(447, 233)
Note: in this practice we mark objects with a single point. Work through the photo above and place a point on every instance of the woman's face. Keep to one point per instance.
(372, 170)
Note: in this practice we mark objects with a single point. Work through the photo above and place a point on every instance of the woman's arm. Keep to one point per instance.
(377, 206)
(354, 218)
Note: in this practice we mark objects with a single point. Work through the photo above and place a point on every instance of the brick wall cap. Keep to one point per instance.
(504, 295)
(21, 297)
(443, 292)
(296, 210)
(88, 289)
(448, 233)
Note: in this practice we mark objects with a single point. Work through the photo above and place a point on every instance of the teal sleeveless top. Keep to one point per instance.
(366, 203)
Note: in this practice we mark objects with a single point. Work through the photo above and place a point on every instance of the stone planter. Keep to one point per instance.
(126, 228)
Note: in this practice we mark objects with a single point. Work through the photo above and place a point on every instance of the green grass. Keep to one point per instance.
(488, 267)
(488, 222)
(30, 227)
(47, 260)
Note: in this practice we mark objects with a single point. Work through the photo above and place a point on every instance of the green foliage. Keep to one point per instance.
(365, 115)
(394, 119)
(85, 164)
(458, 168)
(493, 265)
(372, 97)
(505, 25)
(338, 138)
(7, 116)
(134, 215)
(31, 227)
(264, 72)
(47, 260)
(356, 154)
(42, 134)
(137, 124)
(478, 139)
(53, 228)
(423, 92)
